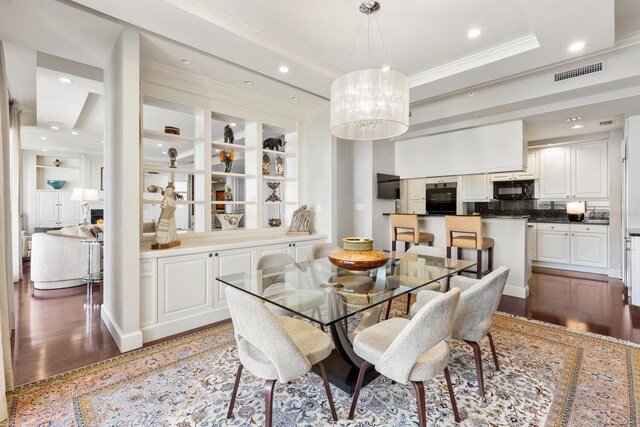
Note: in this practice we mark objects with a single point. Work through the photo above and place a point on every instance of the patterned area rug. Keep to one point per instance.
(550, 376)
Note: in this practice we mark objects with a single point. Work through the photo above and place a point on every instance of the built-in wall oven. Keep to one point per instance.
(441, 198)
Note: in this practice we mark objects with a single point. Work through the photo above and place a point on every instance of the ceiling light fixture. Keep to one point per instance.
(248, 82)
(295, 98)
(186, 61)
(44, 149)
(283, 69)
(74, 132)
(573, 119)
(386, 68)
(159, 145)
(65, 80)
(102, 142)
(576, 46)
(43, 137)
(577, 127)
(369, 104)
(164, 152)
(55, 127)
(474, 32)
(232, 124)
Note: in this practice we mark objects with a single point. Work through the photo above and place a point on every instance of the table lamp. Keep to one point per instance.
(84, 196)
(575, 211)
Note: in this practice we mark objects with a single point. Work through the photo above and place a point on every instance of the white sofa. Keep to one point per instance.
(59, 259)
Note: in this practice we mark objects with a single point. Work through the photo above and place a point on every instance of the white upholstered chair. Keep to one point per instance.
(411, 350)
(322, 250)
(275, 348)
(479, 300)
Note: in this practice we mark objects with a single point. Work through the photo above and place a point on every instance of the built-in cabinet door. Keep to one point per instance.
(533, 169)
(67, 209)
(301, 251)
(589, 249)
(46, 207)
(476, 188)
(270, 250)
(504, 176)
(417, 207)
(416, 188)
(533, 242)
(555, 173)
(230, 262)
(589, 164)
(185, 286)
(553, 246)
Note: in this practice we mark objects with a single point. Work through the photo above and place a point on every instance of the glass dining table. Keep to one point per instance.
(344, 301)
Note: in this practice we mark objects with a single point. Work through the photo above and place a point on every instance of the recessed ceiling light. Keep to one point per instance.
(386, 68)
(159, 145)
(283, 69)
(248, 82)
(44, 149)
(164, 152)
(43, 137)
(576, 46)
(573, 119)
(65, 80)
(473, 33)
(217, 151)
(55, 127)
(295, 98)
(577, 127)
(102, 142)
(186, 61)
(74, 132)
(232, 125)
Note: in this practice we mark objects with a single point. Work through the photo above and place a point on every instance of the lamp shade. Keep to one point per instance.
(84, 195)
(576, 208)
(370, 104)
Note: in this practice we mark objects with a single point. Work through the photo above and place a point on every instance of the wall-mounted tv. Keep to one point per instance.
(388, 186)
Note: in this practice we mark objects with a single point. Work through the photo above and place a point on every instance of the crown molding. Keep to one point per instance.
(479, 59)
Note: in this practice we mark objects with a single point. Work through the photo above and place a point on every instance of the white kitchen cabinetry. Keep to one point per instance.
(231, 261)
(533, 242)
(55, 209)
(417, 198)
(301, 251)
(440, 180)
(476, 188)
(554, 243)
(532, 171)
(589, 245)
(577, 171)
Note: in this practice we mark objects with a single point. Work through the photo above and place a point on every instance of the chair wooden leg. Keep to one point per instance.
(269, 385)
(408, 302)
(327, 389)
(459, 253)
(454, 405)
(493, 351)
(407, 245)
(386, 317)
(479, 266)
(393, 246)
(491, 259)
(448, 251)
(477, 354)
(418, 386)
(430, 243)
(356, 393)
(234, 393)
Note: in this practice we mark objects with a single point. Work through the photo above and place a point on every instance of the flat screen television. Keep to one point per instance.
(388, 186)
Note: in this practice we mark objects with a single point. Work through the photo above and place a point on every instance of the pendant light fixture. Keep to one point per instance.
(370, 104)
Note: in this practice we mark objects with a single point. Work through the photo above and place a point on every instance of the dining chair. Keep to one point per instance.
(465, 232)
(410, 350)
(478, 302)
(411, 234)
(274, 348)
(322, 250)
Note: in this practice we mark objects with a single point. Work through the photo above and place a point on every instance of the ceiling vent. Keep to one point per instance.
(607, 123)
(577, 72)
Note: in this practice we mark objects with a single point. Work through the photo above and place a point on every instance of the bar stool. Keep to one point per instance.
(408, 222)
(469, 235)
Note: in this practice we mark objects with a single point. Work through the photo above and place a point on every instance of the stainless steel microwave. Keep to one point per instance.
(514, 190)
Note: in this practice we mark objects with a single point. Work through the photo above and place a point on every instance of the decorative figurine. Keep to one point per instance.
(228, 134)
(173, 155)
(301, 220)
(266, 164)
(273, 144)
(228, 194)
(57, 163)
(166, 233)
(226, 157)
(279, 166)
(274, 196)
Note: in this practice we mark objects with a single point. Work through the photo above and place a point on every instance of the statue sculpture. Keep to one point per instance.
(166, 233)
(226, 157)
(228, 134)
(173, 155)
(228, 194)
(273, 144)
(279, 166)
(266, 165)
(301, 220)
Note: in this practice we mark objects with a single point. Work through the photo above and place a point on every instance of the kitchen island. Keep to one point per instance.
(511, 246)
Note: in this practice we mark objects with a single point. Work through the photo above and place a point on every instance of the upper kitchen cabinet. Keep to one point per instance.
(416, 192)
(577, 171)
(532, 171)
(476, 188)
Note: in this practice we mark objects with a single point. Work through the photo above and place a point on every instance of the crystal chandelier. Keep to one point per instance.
(370, 104)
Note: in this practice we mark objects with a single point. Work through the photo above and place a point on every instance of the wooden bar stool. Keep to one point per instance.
(407, 222)
(468, 235)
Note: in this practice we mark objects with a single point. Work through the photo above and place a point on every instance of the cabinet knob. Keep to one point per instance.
(567, 195)
(294, 244)
(588, 229)
(566, 234)
(573, 234)
(216, 253)
(210, 255)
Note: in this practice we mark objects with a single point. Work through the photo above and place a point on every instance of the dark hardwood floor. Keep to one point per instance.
(56, 331)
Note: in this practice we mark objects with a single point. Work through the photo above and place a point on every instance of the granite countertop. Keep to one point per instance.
(635, 232)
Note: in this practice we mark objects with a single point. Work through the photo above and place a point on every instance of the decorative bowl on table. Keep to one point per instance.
(275, 222)
(173, 130)
(152, 189)
(358, 260)
(56, 184)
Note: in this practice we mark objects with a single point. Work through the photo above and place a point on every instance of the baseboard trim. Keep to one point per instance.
(125, 342)
(571, 267)
(516, 291)
(157, 331)
(615, 274)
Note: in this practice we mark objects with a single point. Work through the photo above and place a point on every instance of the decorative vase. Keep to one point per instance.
(229, 221)
(173, 155)
(152, 189)
(275, 222)
(57, 163)
(279, 166)
(274, 195)
(56, 184)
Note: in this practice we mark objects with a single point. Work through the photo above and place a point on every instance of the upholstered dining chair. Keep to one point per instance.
(274, 348)
(479, 300)
(410, 350)
(322, 250)
(411, 234)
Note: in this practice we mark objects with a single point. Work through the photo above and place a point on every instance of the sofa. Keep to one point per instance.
(59, 259)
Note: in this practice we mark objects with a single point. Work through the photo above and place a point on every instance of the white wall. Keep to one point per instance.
(121, 307)
(362, 204)
(486, 149)
(615, 203)
(383, 162)
(344, 204)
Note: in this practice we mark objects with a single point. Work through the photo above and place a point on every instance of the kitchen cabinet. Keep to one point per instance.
(55, 209)
(476, 188)
(530, 173)
(440, 180)
(576, 171)
(553, 243)
(151, 211)
(416, 196)
(589, 244)
(533, 242)
(226, 262)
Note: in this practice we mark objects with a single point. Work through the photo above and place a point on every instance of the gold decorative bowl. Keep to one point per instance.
(357, 244)
(358, 260)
